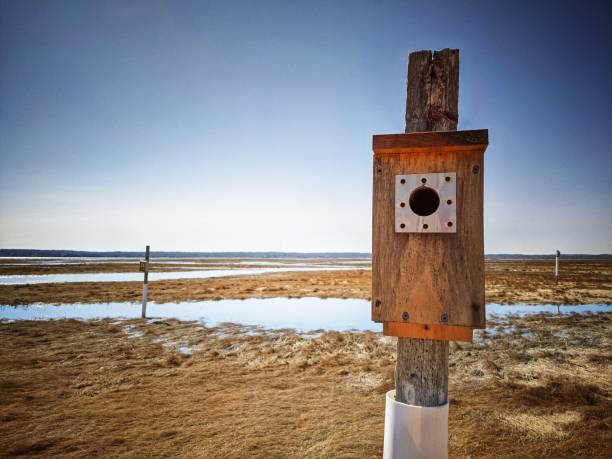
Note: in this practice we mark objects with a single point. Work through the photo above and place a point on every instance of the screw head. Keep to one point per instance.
(444, 318)
(403, 181)
(378, 303)
(476, 169)
(405, 315)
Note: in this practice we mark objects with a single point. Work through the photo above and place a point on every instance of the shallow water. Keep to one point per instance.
(153, 276)
(302, 314)
(62, 261)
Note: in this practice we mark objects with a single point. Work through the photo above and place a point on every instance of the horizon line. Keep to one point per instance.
(359, 254)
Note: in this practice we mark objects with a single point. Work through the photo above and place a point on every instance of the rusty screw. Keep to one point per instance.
(402, 204)
(403, 181)
(476, 169)
(405, 315)
(378, 303)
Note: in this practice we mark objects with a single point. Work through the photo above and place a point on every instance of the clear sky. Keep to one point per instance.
(247, 125)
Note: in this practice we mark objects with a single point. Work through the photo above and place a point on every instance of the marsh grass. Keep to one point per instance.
(124, 389)
(531, 282)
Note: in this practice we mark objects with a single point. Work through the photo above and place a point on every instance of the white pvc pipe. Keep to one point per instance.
(145, 293)
(415, 432)
(556, 266)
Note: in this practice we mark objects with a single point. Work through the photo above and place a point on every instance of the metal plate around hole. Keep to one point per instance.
(439, 220)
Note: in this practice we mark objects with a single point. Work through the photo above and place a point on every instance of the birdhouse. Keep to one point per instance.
(427, 234)
(143, 266)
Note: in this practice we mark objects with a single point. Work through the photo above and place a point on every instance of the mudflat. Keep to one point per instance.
(25, 266)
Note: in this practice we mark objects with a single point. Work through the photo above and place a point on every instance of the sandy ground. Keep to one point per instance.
(538, 387)
(581, 282)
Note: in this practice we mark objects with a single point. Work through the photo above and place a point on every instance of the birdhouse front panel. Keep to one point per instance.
(428, 248)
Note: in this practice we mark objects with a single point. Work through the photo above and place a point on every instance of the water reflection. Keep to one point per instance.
(302, 314)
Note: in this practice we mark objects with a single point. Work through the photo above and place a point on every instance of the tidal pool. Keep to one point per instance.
(301, 314)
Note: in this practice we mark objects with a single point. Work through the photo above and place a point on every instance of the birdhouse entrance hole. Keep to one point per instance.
(424, 201)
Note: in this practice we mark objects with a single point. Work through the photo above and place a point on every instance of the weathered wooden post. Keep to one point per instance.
(144, 267)
(427, 250)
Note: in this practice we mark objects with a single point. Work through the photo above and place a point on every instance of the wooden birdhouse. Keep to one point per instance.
(428, 247)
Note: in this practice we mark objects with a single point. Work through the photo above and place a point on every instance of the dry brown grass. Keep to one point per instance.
(582, 282)
(325, 284)
(539, 387)
(532, 281)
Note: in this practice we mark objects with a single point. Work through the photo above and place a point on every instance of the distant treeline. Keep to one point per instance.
(121, 254)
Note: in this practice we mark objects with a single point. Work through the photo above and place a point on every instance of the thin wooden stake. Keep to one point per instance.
(145, 287)
(421, 372)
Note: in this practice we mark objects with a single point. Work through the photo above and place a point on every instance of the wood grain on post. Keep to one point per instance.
(432, 104)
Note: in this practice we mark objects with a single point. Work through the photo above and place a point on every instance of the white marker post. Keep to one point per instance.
(144, 267)
(557, 256)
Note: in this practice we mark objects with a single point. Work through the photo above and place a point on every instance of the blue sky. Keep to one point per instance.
(247, 125)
